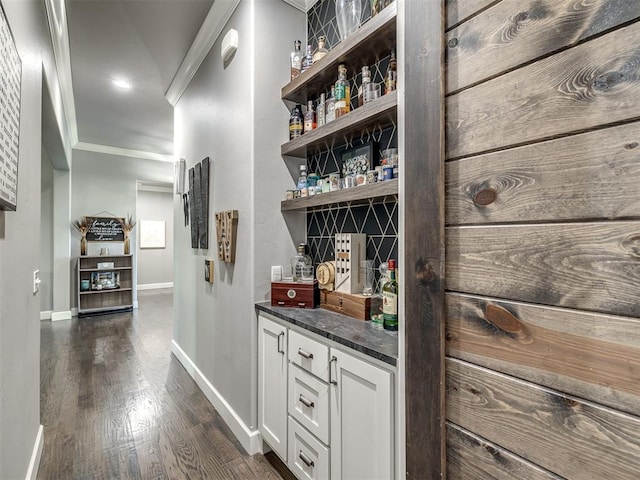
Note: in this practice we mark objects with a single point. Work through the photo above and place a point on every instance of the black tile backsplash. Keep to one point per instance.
(377, 218)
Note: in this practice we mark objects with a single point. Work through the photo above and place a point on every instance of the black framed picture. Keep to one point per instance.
(358, 160)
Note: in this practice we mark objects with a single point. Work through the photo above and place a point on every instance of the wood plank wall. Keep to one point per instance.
(542, 207)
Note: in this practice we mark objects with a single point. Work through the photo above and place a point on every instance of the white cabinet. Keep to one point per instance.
(362, 419)
(272, 385)
(327, 413)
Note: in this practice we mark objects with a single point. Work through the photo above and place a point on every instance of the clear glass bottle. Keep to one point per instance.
(331, 106)
(296, 122)
(299, 261)
(321, 51)
(302, 178)
(366, 80)
(391, 76)
(390, 299)
(376, 313)
(321, 112)
(310, 118)
(307, 61)
(296, 59)
(342, 92)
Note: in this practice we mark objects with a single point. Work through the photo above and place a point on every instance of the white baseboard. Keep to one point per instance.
(74, 311)
(56, 316)
(46, 315)
(250, 439)
(34, 463)
(153, 286)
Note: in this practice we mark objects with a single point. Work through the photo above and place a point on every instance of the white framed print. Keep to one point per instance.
(152, 234)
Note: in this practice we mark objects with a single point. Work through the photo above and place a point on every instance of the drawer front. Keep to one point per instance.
(294, 295)
(309, 402)
(308, 458)
(309, 355)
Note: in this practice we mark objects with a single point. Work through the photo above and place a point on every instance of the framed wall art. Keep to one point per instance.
(10, 91)
(358, 160)
(152, 234)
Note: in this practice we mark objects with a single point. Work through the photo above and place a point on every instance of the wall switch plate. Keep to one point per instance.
(36, 281)
(276, 273)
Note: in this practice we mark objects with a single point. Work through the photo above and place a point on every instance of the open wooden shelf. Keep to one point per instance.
(361, 193)
(373, 41)
(379, 113)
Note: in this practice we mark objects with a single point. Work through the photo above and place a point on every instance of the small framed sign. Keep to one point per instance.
(358, 160)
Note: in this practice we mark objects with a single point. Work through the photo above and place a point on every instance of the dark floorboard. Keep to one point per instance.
(115, 404)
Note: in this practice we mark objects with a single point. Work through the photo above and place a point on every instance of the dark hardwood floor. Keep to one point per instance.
(115, 404)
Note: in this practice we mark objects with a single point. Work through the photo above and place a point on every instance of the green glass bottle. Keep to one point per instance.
(390, 299)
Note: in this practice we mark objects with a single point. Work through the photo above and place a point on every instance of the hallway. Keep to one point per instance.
(115, 404)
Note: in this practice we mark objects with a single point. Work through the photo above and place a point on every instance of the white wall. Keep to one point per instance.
(234, 116)
(102, 182)
(155, 265)
(20, 256)
(46, 234)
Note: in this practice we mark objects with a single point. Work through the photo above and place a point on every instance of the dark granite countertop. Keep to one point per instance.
(353, 333)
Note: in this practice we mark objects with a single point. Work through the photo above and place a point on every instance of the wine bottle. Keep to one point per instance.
(390, 299)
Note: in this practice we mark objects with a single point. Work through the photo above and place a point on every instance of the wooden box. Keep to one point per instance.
(295, 294)
(351, 304)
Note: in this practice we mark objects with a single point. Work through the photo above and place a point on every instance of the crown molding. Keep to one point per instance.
(59, 30)
(123, 152)
(302, 5)
(211, 28)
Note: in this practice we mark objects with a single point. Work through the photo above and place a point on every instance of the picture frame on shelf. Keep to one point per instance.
(105, 280)
(359, 160)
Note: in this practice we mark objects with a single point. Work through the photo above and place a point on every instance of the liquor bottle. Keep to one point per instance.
(302, 178)
(321, 111)
(391, 75)
(310, 118)
(307, 61)
(330, 106)
(390, 299)
(296, 122)
(321, 51)
(296, 59)
(342, 92)
(362, 90)
(299, 261)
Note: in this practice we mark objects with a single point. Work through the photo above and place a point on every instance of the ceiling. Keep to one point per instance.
(141, 41)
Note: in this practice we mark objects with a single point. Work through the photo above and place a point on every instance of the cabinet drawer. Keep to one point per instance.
(309, 355)
(308, 458)
(309, 402)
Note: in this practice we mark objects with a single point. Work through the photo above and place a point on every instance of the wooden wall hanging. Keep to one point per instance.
(199, 204)
(226, 229)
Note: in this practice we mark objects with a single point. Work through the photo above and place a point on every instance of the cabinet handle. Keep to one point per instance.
(305, 354)
(305, 402)
(280, 350)
(301, 304)
(280, 303)
(333, 359)
(307, 461)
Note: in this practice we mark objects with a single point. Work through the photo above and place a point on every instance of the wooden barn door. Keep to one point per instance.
(542, 266)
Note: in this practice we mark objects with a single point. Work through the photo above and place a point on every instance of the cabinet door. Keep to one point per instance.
(362, 419)
(272, 385)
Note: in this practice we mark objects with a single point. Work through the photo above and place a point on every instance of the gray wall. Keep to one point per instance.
(20, 256)
(155, 265)
(46, 234)
(239, 123)
(102, 182)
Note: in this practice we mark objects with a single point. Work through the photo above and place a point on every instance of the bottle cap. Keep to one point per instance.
(392, 264)
(303, 168)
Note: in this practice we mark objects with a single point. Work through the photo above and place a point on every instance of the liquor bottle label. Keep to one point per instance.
(390, 304)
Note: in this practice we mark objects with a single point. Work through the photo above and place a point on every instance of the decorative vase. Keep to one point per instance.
(127, 245)
(83, 245)
(348, 16)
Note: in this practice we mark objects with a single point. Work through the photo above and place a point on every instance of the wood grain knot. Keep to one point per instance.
(603, 83)
(453, 43)
(521, 17)
(475, 391)
(424, 272)
(503, 319)
(448, 336)
(485, 197)
(631, 146)
(492, 450)
(570, 402)
(632, 245)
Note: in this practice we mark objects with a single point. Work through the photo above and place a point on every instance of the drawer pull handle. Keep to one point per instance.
(280, 350)
(307, 461)
(333, 359)
(305, 354)
(280, 303)
(302, 304)
(305, 402)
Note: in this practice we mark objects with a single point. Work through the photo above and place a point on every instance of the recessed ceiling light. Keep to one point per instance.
(123, 84)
